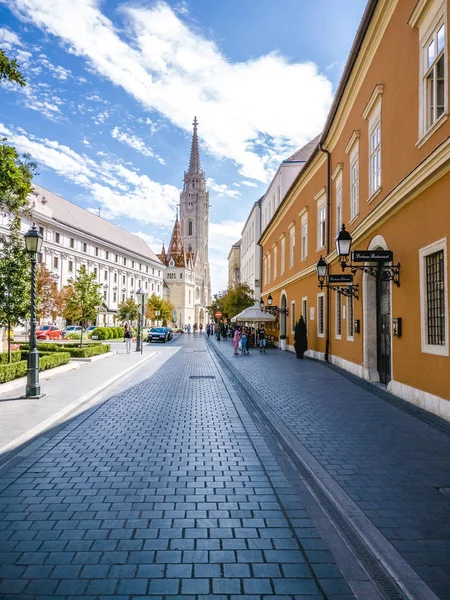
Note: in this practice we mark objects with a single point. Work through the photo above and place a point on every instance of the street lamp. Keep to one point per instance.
(261, 304)
(140, 302)
(343, 244)
(269, 300)
(33, 244)
(321, 269)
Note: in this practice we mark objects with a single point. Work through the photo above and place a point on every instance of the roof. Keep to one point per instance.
(67, 213)
(175, 251)
(305, 152)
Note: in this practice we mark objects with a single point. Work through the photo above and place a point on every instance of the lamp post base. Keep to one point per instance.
(36, 397)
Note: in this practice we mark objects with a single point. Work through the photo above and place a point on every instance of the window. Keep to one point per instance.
(123, 297)
(158, 288)
(275, 260)
(434, 298)
(153, 286)
(189, 227)
(124, 280)
(269, 270)
(70, 266)
(124, 261)
(321, 223)
(107, 255)
(320, 315)
(354, 185)
(115, 277)
(72, 243)
(114, 297)
(265, 270)
(146, 285)
(132, 264)
(305, 309)
(41, 231)
(434, 79)
(105, 295)
(375, 157)
(282, 254)
(55, 262)
(304, 236)
(140, 266)
(96, 251)
(132, 282)
(146, 268)
(105, 275)
(57, 238)
(95, 271)
(153, 271)
(338, 204)
(292, 246)
(350, 319)
(293, 316)
(117, 258)
(84, 247)
(338, 315)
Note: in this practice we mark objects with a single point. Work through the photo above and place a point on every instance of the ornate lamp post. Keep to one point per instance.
(33, 244)
(140, 302)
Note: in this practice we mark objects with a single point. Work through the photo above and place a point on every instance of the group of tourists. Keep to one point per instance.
(243, 336)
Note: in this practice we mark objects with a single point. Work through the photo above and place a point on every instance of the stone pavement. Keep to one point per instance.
(390, 458)
(166, 490)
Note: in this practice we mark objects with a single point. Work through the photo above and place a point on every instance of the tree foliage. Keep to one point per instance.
(14, 278)
(165, 308)
(47, 296)
(127, 310)
(232, 301)
(83, 298)
(16, 173)
(9, 70)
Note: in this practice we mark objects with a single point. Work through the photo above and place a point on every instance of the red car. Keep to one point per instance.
(48, 332)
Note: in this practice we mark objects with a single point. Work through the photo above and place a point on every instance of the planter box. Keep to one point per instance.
(283, 344)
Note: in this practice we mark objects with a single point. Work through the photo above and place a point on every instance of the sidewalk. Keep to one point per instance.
(390, 458)
(66, 392)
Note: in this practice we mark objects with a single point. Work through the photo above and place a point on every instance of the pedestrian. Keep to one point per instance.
(128, 336)
(244, 334)
(189, 328)
(218, 332)
(235, 341)
(208, 330)
(201, 328)
(262, 338)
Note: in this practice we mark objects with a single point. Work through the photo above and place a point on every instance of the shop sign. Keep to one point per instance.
(372, 256)
(340, 278)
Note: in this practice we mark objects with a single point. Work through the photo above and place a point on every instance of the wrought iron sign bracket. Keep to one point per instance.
(384, 273)
(275, 311)
(345, 290)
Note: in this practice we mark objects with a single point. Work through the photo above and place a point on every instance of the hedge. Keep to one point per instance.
(44, 347)
(107, 333)
(19, 369)
(89, 351)
(15, 357)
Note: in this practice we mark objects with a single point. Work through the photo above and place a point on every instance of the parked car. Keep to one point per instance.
(48, 332)
(91, 328)
(157, 334)
(71, 329)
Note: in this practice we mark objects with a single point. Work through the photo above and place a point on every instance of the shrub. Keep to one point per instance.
(53, 359)
(99, 333)
(15, 357)
(73, 336)
(89, 351)
(12, 371)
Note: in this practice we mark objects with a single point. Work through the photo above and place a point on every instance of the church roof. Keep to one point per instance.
(194, 162)
(176, 248)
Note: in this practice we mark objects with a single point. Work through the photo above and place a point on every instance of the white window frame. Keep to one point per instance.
(440, 350)
(338, 300)
(282, 254)
(321, 334)
(321, 231)
(305, 309)
(291, 246)
(275, 259)
(293, 316)
(354, 183)
(304, 236)
(372, 113)
(269, 268)
(350, 321)
(430, 23)
(339, 215)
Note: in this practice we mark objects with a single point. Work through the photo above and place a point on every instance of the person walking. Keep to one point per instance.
(235, 341)
(189, 328)
(208, 330)
(262, 338)
(201, 328)
(244, 335)
(128, 336)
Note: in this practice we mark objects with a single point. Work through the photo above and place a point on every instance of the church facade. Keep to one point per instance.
(187, 281)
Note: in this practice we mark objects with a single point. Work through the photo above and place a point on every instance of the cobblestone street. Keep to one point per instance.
(177, 488)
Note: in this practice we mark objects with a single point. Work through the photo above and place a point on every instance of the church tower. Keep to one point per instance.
(187, 277)
(194, 221)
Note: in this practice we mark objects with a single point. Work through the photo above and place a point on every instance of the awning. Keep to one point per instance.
(253, 314)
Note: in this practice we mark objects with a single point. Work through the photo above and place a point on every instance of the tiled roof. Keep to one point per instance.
(68, 213)
(304, 153)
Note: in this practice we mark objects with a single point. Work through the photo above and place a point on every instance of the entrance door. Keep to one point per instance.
(384, 330)
(283, 316)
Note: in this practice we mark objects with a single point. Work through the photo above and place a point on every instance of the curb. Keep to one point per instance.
(22, 381)
(59, 416)
(94, 358)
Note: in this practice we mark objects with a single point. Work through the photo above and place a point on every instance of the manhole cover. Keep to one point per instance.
(202, 376)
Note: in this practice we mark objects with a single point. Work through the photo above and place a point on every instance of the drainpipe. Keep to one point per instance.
(328, 245)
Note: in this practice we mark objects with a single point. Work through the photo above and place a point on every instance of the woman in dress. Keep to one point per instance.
(235, 342)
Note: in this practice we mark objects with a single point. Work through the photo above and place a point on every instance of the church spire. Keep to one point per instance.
(194, 162)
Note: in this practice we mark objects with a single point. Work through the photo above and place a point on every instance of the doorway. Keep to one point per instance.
(384, 342)
(283, 315)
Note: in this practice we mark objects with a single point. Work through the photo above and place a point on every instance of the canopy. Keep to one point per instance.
(253, 313)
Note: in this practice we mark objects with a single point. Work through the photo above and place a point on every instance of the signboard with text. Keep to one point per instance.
(372, 256)
(340, 278)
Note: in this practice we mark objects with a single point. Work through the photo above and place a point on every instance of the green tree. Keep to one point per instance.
(165, 308)
(232, 301)
(217, 304)
(84, 298)
(16, 173)
(9, 70)
(14, 279)
(127, 310)
(47, 295)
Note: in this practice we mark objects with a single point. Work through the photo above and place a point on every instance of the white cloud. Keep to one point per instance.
(221, 189)
(120, 191)
(137, 143)
(249, 183)
(176, 71)
(8, 39)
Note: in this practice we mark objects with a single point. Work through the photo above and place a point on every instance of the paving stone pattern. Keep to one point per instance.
(160, 492)
(390, 462)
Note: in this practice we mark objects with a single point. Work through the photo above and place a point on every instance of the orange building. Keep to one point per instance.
(381, 167)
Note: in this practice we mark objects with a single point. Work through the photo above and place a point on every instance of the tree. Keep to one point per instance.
(14, 279)
(16, 173)
(47, 296)
(84, 298)
(232, 301)
(9, 70)
(165, 308)
(300, 338)
(127, 310)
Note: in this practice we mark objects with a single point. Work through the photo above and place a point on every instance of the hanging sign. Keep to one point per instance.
(372, 255)
(218, 314)
(340, 278)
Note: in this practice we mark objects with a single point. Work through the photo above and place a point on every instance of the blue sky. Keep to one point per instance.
(113, 88)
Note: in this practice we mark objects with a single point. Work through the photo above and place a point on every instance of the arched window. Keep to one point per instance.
(189, 227)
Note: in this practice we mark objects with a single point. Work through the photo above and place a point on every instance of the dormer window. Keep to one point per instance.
(171, 263)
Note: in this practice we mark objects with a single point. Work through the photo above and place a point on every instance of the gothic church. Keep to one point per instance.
(187, 283)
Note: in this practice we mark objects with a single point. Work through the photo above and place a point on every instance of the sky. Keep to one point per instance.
(113, 88)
